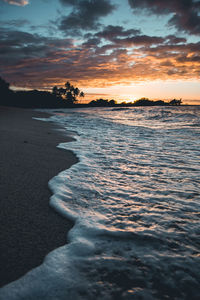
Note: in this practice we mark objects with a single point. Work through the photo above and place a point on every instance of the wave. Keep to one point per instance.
(134, 201)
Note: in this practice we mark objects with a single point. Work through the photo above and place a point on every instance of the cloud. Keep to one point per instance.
(139, 40)
(121, 37)
(35, 61)
(175, 40)
(91, 43)
(19, 45)
(17, 2)
(85, 14)
(110, 32)
(15, 23)
(186, 13)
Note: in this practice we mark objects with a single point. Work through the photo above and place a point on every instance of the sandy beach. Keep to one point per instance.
(29, 159)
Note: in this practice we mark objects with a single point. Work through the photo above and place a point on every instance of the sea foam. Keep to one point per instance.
(134, 200)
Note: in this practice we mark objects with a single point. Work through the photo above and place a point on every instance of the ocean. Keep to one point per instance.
(134, 198)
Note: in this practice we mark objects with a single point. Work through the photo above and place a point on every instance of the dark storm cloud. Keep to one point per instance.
(85, 14)
(185, 12)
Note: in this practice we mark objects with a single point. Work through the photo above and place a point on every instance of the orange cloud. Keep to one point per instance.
(39, 62)
(17, 2)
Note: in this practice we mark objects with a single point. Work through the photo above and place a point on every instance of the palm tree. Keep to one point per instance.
(76, 91)
(55, 90)
(175, 102)
(82, 94)
(69, 93)
(68, 85)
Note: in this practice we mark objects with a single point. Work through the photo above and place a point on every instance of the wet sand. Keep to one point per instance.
(28, 160)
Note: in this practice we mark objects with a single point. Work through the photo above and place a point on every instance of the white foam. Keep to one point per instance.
(136, 231)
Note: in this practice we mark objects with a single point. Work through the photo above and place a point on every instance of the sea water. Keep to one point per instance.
(134, 198)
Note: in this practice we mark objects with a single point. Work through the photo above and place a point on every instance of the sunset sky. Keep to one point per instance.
(121, 49)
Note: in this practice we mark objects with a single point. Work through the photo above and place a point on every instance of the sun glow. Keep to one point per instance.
(189, 91)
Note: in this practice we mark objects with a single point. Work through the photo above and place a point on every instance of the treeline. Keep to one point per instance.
(147, 102)
(58, 98)
(140, 102)
(63, 98)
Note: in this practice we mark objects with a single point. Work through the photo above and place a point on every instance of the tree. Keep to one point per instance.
(68, 94)
(112, 102)
(4, 86)
(55, 90)
(143, 102)
(82, 94)
(175, 102)
(6, 95)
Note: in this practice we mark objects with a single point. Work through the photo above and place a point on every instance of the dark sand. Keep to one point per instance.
(28, 159)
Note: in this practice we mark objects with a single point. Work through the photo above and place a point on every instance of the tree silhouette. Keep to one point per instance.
(102, 102)
(6, 95)
(112, 102)
(82, 94)
(64, 97)
(143, 102)
(68, 94)
(175, 102)
(4, 86)
(55, 90)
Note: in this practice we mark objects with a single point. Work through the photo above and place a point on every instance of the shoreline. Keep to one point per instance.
(30, 228)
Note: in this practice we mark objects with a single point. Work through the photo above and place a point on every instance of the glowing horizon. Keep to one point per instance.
(155, 90)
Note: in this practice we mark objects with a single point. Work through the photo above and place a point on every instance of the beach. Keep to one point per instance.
(30, 229)
(133, 201)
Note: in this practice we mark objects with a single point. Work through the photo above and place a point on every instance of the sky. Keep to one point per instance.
(113, 49)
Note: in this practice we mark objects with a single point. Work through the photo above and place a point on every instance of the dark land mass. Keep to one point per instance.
(65, 98)
(30, 229)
